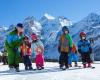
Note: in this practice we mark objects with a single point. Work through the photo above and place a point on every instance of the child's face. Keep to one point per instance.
(20, 30)
(66, 32)
(35, 40)
(83, 37)
(39, 50)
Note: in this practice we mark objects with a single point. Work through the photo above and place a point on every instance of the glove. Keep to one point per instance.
(16, 51)
(75, 52)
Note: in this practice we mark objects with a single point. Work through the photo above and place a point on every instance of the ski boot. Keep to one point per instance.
(30, 68)
(39, 68)
(26, 67)
(42, 67)
(89, 65)
(84, 65)
(70, 65)
(17, 69)
(76, 64)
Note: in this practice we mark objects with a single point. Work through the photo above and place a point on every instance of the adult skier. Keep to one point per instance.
(12, 43)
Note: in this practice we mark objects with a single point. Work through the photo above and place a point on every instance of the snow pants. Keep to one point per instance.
(39, 60)
(73, 57)
(13, 58)
(63, 59)
(86, 58)
(27, 61)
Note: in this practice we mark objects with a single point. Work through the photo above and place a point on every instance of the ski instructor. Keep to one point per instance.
(12, 43)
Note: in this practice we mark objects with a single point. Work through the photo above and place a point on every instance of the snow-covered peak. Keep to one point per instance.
(93, 15)
(92, 18)
(87, 23)
(31, 25)
(64, 21)
(3, 28)
(29, 18)
(48, 16)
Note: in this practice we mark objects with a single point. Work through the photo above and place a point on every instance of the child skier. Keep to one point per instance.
(64, 48)
(85, 50)
(26, 53)
(38, 50)
(73, 56)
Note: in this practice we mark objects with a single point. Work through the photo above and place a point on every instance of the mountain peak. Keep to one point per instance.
(93, 14)
(92, 18)
(30, 18)
(64, 21)
(48, 16)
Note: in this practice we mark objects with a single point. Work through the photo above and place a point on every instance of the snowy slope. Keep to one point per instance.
(51, 72)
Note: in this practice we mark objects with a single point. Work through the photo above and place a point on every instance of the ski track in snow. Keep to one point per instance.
(51, 72)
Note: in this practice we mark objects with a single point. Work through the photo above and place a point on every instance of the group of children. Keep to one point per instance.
(67, 49)
(69, 52)
(35, 47)
(17, 43)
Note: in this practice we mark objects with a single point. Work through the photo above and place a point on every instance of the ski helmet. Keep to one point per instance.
(82, 34)
(65, 28)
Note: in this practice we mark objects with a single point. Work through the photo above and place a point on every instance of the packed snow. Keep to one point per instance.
(51, 72)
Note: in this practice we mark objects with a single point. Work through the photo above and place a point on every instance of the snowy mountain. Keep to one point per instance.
(48, 28)
(32, 25)
(90, 25)
(3, 33)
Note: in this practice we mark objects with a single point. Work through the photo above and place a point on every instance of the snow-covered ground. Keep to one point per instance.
(51, 72)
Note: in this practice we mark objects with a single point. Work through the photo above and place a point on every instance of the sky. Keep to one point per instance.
(15, 11)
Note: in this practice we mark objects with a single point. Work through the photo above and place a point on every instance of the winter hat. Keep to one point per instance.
(34, 36)
(65, 28)
(20, 25)
(82, 34)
